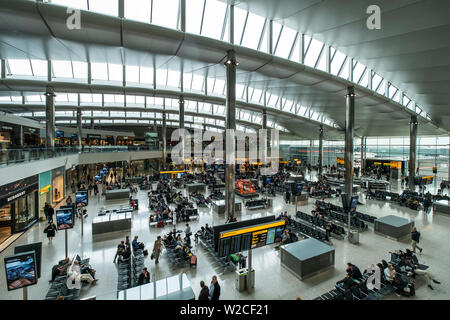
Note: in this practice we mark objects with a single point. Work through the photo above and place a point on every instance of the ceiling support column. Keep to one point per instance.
(363, 151)
(181, 126)
(49, 117)
(164, 140)
(320, 159)
(311, 148)
(79, 127)
(348, 160)
(230, 126)
(412, 152)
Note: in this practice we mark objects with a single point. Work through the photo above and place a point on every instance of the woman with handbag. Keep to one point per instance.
(50, 230)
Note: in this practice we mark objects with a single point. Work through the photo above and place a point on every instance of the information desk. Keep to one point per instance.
(219, 206)
(195, 187)
(112, 222)
(136, 179)
(117, 194)
(393, 227)
(442, 206)
(307, 257)
(296, 178)
(122, 209)
(172, 288)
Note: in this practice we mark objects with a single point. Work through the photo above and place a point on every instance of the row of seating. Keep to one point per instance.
(124, 275)
(206, 239)
(59, 285)
(359, 215)
(337, 230)
(360, 291)
(257, 204)
(137, 264)
(307, 231)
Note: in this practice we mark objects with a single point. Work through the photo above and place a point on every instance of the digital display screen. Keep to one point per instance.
(37, 248)
(259, 238)
(268, 180)
(81, 197)
(97, 178)
(74, 136)
(20, 270)
(180, 175)
(64, 219)
(299, 188)
(59, 134)
(270, 236)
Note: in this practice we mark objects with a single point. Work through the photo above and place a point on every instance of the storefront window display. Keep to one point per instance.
(18, 206)
(45, 191)
(58, 185)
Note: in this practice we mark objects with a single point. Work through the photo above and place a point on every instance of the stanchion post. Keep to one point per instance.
(67, 246)
(25, 293)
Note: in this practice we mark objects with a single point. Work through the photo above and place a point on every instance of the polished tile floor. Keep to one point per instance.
(272, 280)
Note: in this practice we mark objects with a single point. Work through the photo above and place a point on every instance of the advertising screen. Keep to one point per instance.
(59, 134)
(97, 178)
(268, 180)
(20, 270)
(81, 198)
(270, 236)
(64, 219)
(37, 248)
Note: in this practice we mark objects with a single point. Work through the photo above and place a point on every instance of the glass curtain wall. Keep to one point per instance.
(431, 151)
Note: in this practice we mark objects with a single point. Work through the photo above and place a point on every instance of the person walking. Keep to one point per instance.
(69, 201)
(46, 208)
(214, 289)
(415, 237)
(157, 249)
(204, 292)
(50, 230)
(51, 212)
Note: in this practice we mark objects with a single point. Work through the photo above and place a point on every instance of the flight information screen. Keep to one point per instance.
(259, 238)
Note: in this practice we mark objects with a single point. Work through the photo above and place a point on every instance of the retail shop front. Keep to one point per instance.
(19, 205)
(45, 191)
(58, 190)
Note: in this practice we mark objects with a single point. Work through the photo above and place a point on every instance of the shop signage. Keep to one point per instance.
(17, 195)
(45, 182)
(58, 172)
(15, 190)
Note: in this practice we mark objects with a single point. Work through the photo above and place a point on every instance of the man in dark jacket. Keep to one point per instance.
(204, 292)
(415, 237)
(354, 271)
(345, 283)
(214, 289)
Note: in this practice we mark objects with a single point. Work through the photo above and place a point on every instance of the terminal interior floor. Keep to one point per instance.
(272, 281)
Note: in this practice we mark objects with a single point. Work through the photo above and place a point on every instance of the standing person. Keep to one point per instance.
(415, 237)
(50, 230)
(95, 187)
(288, 196)
(214, 289)
(204, 292)
(103, 189)
(157, 249)
(51, 212)
(127, 241)
(69, 201)
(46, 209)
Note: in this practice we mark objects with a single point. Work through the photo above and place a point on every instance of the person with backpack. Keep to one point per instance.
(415, 237)
(50, 230)
(204, 292)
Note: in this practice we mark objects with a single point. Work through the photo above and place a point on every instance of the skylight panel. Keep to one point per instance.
(194, 16)
(138, 10)
(286, 42)
(105, 6)
(62, 69)
(213, 18)
(253, 30)
(165, 13)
